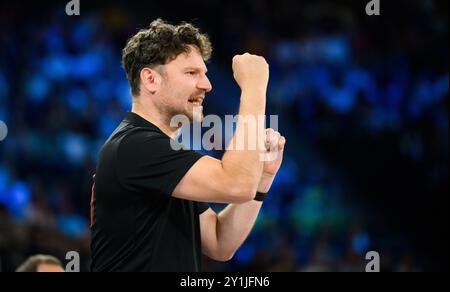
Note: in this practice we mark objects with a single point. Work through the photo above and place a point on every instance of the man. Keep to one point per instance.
(149, 210)
(41, 263)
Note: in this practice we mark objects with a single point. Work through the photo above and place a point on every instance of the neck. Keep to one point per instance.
(151, 114)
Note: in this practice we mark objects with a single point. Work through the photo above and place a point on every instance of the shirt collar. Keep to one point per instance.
(138, 121)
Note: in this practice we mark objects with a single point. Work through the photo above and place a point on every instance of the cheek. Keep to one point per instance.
(187, 82)
(173, 93)
(184, 90)
(178, 91)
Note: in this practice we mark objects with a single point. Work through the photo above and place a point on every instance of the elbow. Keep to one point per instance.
(224, 256)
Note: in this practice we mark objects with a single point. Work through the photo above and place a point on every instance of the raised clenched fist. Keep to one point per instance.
(251, 72)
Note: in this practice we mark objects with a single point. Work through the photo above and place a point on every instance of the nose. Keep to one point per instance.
(204, 84)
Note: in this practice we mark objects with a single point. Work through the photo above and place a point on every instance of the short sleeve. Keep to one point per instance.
(147, 163)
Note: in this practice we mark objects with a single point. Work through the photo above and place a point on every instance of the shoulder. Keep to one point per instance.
(144, 143)
(142, 139)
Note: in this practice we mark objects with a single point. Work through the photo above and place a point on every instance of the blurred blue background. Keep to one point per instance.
(363, 102)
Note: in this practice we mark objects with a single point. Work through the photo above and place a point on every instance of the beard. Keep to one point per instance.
(191, 114)
(196, 114)
(192, 111)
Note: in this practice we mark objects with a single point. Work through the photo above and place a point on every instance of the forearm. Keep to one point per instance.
(242, 161)
(234, 225)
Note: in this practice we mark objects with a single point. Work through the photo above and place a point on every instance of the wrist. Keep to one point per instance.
(260, 197)
(265, 183)
(253, 93)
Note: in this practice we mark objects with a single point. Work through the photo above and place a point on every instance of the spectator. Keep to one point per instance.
(41, 263)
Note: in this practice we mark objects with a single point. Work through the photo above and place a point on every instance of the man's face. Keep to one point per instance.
(184, 85)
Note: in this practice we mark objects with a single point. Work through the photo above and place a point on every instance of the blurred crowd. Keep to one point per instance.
(363, 102)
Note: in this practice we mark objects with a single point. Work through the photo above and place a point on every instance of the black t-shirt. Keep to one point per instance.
(136, 224)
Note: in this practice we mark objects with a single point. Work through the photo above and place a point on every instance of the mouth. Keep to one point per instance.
(196, 101)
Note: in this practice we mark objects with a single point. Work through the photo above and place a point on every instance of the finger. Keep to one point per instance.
(269, 132)
(274, 140)
(267, 141)
(281, 143)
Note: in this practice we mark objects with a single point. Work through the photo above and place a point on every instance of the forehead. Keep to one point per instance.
(191, 59)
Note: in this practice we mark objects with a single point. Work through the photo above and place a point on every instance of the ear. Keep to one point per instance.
(150, 79)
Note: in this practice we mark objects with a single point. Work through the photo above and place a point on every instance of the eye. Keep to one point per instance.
(191, 72)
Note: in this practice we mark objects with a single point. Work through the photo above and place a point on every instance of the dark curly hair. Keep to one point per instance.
(159, 44)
